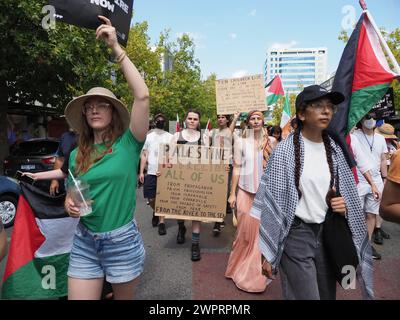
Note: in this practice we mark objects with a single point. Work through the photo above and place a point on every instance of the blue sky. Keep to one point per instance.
(232, 36)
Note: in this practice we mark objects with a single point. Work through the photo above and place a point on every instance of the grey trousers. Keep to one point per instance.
(305, 271)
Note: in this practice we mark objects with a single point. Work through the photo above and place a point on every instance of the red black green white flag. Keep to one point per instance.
(274, 90)
(41, 242)
(363, 76)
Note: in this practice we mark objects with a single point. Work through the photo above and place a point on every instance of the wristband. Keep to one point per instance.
(121, 57)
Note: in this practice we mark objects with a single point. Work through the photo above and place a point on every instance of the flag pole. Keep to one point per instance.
(381, 38)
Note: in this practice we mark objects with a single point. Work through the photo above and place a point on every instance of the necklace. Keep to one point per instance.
(371, 145)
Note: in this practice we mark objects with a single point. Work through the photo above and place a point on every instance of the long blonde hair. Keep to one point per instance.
(264, 144)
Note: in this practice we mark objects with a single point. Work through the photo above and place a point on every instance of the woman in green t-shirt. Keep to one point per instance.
(107, 242)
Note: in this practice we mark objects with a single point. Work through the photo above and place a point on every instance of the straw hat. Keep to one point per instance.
(387, 131)
(73, 111)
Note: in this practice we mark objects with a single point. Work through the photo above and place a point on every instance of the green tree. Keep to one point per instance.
(181, 87)
(147, 60)
(393, 41)
(277, 112)
(45, 66)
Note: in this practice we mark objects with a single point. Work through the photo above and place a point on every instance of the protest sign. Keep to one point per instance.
(194, 186)
(240, 94)
(385, 107)
(83, 13)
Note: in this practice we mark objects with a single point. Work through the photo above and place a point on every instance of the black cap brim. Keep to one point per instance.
(335, 97)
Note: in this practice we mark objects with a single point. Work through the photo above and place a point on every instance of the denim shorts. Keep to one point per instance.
(118, 255)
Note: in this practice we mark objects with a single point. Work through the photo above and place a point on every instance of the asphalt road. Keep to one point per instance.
(171, 275)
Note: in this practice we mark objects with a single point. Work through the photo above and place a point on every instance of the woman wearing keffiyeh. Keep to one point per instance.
(251, 153)
(292, 200)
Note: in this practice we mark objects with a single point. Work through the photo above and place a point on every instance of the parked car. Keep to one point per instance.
(34, 155)
(9, 194)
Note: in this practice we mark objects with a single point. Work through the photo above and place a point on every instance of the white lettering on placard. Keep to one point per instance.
(104, 3)
(122, 5)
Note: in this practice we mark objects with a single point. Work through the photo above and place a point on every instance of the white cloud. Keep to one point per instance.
(233, 36)
(283, 45)
(197, 38)
(240, 74)
(253, 12)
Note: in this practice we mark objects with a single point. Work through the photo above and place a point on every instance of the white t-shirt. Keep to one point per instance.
(151, 145)
(314, 183)
(367, 153)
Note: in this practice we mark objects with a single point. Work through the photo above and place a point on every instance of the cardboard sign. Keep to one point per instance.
(240, 94)
(195, 186)
(385, 107)
(83, 13)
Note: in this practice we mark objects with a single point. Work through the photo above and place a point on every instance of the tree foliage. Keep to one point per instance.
(51, 66)
(278, 109)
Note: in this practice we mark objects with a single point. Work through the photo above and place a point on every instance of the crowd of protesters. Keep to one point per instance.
(280, 188)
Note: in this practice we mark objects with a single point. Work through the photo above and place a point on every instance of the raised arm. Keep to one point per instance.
(139, 122)
(233, 123)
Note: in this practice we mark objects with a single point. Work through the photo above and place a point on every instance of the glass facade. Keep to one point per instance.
(297, 67)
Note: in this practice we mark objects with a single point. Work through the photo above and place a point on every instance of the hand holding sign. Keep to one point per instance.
(108, 33)
(84, 13)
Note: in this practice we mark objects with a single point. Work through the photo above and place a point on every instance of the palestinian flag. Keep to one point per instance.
(209, 125)
(363, 76)
(274, 90)
(285, 112)
(40, 245)
(178, 125)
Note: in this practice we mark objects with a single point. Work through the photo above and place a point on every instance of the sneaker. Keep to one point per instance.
(180, 238)
(155, 220)
(377, 235)
(217, 229)
(375, 254)
(161, 229)
(222, 224)
(384, 234)
(195, 252)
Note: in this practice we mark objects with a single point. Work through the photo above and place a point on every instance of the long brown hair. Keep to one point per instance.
(87, 154)
(297, 153)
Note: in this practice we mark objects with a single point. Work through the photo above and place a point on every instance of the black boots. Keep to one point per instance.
(155, 220)
(181, 234)
(195, 252)
(161, 229)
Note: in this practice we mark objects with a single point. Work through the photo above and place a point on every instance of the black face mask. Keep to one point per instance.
(160, 124)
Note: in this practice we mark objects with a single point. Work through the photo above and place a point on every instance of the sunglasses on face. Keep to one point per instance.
(99, 106)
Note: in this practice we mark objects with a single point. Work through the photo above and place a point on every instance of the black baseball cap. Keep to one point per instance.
(316, 92)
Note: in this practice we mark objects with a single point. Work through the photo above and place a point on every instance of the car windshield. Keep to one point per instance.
(36, 148)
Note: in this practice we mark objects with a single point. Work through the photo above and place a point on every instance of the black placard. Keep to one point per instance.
(385, 107)
(83, 13)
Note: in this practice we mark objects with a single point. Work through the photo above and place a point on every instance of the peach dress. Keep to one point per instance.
(244, 265)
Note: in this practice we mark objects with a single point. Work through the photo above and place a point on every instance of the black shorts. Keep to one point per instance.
(150, 186)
